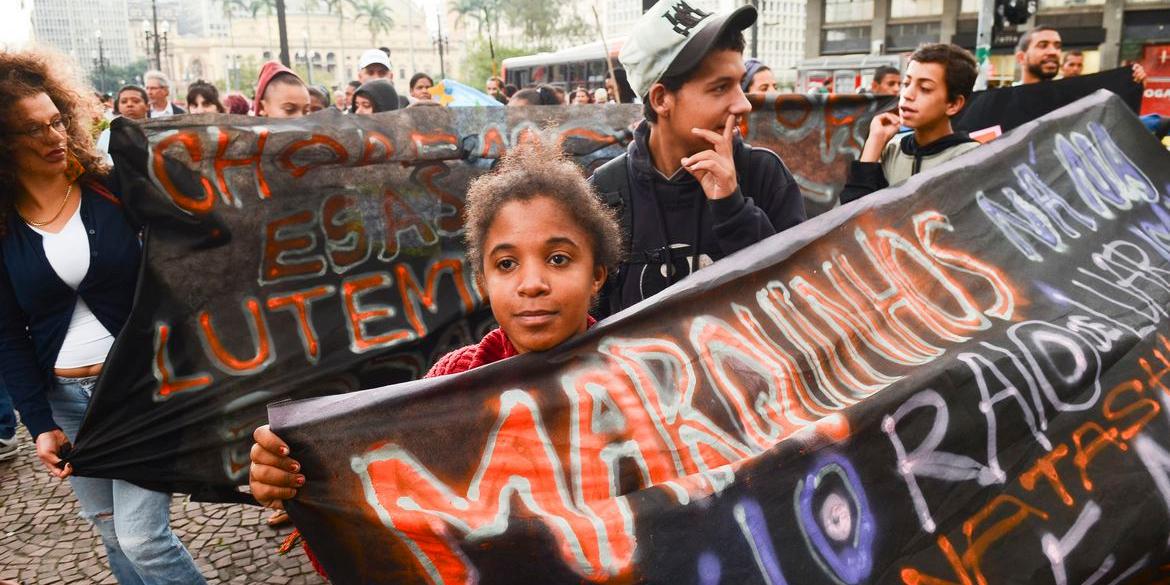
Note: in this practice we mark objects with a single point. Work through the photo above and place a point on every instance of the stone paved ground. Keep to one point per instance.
(43, 541)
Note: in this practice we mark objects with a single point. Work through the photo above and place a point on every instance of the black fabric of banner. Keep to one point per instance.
(962, 379)
(309, 257)
(1009, 107)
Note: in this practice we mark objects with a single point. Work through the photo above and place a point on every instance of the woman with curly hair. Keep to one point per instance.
(68, 267)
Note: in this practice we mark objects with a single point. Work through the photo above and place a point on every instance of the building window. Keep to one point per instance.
(1049, 4)
(907, 37)
(969, 6)
(854, 39)
(848, 10)
(913, 8)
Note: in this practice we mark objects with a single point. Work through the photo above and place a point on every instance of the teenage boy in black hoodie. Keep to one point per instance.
(689, 191)
(938, 82)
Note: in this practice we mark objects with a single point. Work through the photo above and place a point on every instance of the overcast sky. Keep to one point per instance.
(14, 26)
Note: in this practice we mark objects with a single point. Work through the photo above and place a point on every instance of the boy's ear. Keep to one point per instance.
(660, 100)
(956, 106)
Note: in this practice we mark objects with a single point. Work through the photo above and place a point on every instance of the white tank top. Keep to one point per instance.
(87, 342)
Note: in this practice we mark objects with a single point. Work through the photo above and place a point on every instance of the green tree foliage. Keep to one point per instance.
(477, 66)
(117, 76)
(485, 13)
(538, 18)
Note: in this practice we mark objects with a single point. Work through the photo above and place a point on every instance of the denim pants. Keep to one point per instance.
(134, 522)
(7, 414)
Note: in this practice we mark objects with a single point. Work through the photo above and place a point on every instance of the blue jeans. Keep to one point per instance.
(134, 522)
(7, 414)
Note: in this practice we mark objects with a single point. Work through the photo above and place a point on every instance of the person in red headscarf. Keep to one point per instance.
(280, 93)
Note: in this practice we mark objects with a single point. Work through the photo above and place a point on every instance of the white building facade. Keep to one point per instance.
(75, 26)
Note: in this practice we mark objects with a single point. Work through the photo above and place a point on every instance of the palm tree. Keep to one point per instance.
(472, 9)
(485, 13)
(378, 18)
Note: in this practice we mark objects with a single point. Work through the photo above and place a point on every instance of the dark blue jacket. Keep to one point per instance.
(36, 306)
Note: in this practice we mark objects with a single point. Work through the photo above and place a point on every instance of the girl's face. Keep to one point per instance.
(363, 104)
(763, 82)
(580, 97)
(421, 89)
(284, 100)
(131, 105)
(201, 106)
(539, 273)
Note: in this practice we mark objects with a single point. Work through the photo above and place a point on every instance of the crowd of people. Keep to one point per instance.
(554, 250)
(371, 93)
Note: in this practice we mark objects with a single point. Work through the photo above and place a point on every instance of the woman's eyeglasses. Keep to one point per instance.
(40, 131)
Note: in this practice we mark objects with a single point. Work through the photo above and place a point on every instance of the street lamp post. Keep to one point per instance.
(147, 29)
(158, 36)
(308, 57)
(101, 62)
(440, 41)
(232, 65)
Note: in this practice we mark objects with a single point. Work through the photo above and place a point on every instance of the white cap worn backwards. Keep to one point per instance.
(374, 57)
(672, 38)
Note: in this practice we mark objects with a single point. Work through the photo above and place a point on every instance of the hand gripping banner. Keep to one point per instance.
(959, 380)
(323, 255)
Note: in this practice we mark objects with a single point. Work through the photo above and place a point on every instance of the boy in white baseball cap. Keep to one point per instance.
(688, 190)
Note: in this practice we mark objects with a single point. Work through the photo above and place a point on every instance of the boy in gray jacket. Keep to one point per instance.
(938, 82)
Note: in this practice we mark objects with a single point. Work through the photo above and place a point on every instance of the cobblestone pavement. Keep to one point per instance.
(43, 541)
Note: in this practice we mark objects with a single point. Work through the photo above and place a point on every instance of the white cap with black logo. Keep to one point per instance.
(672, 38)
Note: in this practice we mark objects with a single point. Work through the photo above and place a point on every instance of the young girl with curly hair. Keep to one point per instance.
(541, 245)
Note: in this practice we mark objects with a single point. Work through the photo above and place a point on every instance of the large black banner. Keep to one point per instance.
(1009, 107)
(960, 380)
(322, 255)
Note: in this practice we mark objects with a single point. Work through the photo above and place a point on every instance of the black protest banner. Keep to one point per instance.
(1009, 107)
(319, 256)
(959, 380)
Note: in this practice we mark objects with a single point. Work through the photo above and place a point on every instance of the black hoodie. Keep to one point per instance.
(671, 216)
(379, 91)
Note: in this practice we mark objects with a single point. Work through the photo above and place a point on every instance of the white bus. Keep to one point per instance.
(580, 66)
(843, 74)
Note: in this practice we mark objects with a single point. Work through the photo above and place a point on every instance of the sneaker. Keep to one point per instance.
(8, 448)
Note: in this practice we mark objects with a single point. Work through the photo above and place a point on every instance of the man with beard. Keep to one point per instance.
(1038, 54)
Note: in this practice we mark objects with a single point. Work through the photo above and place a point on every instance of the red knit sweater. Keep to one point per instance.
(494, 346)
